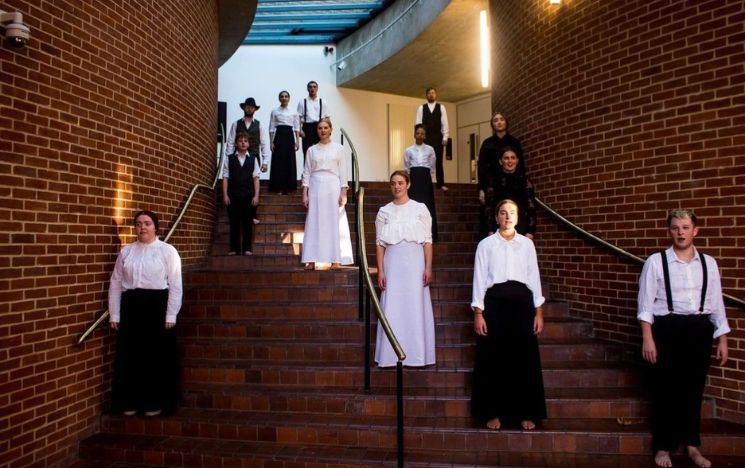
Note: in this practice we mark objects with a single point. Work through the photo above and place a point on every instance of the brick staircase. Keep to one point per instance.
(273, 371)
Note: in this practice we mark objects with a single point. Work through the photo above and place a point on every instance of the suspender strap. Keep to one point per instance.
(305, 110)
(705, 282)
(320, 109)
(666, 274)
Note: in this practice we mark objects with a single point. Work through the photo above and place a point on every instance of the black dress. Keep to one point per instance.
(488, 172)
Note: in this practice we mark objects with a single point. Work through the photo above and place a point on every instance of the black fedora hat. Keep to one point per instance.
(249, 102)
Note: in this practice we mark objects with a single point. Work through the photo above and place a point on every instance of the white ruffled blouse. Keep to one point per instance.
(409, 222)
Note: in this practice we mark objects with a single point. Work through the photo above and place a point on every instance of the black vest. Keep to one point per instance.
(432, 121)
(240, 178)
(254, 136)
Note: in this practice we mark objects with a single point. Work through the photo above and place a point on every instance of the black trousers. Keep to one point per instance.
(310, 130)
(146, 364)
(683, 357)
(241, 214)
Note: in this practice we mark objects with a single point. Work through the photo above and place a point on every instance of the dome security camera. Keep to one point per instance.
(17, 34)
(16, 31)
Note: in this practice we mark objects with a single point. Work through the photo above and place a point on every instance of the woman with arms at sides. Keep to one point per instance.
(284, 133)
(144, 299)
(488, 168)
(326, 237)
(404, 256)
(419, 161)
(508, 317)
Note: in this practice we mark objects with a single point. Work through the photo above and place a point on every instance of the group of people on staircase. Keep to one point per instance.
(680, 306)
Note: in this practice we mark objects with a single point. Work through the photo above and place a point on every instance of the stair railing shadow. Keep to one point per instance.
(368, 298)
(736, 301)
(221, 135)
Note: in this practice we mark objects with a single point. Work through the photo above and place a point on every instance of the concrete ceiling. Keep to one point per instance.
(445, 55)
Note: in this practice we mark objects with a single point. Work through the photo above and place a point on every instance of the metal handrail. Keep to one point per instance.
(193, 190)
(368, 296)
(732, 299)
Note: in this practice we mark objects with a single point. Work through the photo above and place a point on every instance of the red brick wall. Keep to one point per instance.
(628, 109)
(109, 109)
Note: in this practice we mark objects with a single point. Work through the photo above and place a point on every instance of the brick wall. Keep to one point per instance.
(109, 109)
(628, 109)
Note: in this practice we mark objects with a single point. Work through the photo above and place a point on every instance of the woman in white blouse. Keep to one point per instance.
(144, 299)
(325, 197)
(404, 255)
(508, 317)
(284, 133)
(419, 160)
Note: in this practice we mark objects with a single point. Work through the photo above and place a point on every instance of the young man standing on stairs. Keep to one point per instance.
(681, 312)
(311, 110)
(432, 115)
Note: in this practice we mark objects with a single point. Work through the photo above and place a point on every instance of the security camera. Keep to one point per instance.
(341, 65)
(16, 32)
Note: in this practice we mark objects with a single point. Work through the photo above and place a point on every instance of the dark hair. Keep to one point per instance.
(418, 126)
(401, 173)
(241, 135)
(508, 148)
(681, 214)
(148, 213)
(311, 82)
(283, 91)
(431, 88)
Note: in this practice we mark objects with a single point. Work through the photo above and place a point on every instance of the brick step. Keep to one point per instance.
(602, 436)
(306, 292)
(110, 450)
(588, 403)
(315, 332)
(254, 351)
(237, 310)
(442, 375)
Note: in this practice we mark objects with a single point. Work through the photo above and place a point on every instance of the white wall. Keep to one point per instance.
(263, 71)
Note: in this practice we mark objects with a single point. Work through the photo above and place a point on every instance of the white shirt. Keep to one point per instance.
(329, 157)
(419, 156)
(264, 149)
(283, 116)
(314, 111)
(156, 265)
(241, 160)
(686, 280)
(443, 118)
(499, 260)
(408, 222)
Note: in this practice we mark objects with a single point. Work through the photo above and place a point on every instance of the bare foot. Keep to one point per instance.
(494, 424)
(695, 455)
(310, 266)
(662, 458)
(336, 266)
(527, 425)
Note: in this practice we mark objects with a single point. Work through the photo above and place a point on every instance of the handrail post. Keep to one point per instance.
(368, 328)
(400, 411)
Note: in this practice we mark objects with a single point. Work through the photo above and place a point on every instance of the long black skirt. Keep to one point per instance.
(283, 174)
(507, 375)
(146, 366)
(421, 190)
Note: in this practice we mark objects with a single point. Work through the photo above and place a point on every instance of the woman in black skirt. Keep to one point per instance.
(508, 317)
(144, 299)
(284, 133)
(419, 161)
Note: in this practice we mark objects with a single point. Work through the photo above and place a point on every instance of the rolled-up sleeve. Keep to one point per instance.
(647, 290)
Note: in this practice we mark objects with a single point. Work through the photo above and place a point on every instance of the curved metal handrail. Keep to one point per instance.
(355, 163)
(368, 279)
(732, 299)
(172, 229)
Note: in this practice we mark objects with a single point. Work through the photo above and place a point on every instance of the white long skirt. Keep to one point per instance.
(407, 305)
(321, 243)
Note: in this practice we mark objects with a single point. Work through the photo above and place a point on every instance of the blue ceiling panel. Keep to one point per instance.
(310, 21)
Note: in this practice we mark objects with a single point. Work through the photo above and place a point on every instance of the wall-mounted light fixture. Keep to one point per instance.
(554, 2)
(484, 40)
(16, 32)
(328, 50)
